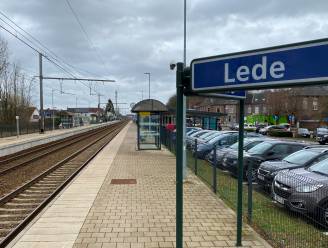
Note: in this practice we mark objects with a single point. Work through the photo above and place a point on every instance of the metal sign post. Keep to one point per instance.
(240, 172)
(179, 156)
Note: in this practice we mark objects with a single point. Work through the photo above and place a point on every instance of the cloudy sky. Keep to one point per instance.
(126, 38)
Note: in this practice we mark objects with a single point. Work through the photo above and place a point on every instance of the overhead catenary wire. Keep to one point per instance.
(45, 56)
(39, 43)
(41, 49)
(92, 46)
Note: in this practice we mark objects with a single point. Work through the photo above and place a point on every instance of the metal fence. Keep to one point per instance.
(7, 130)
(291, 213)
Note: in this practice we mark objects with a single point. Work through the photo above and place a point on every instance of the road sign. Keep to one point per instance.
(295, 64)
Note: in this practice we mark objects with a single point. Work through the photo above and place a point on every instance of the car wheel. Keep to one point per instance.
(323, 214)
(251, 173)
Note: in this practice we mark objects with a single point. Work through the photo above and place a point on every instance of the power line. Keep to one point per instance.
(55, 56)
(40, 52)
(54, 59)
(85, 33)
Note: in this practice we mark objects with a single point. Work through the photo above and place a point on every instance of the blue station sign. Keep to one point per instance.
(296, 64)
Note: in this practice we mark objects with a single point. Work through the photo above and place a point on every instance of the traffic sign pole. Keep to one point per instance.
(179, 156)
(240, 173)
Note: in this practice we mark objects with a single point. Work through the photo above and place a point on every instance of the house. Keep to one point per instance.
(33, 114)
(227, 108)
(86, 115)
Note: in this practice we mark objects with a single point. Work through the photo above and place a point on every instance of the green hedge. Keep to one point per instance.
(280, 133)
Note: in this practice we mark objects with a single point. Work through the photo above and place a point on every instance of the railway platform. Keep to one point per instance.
(126, 199)
(12, 144)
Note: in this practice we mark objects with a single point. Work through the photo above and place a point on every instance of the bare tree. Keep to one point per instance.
(15, 90)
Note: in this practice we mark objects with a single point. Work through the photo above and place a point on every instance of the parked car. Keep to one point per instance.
(303, 132)
(223, 140)
(205, 137)
(190, 138)
(249, 127)
(220, 152)
(192, 129)
(322, 135)
(300, 159)
(259, 126)
(267, 150)
(285, 126)
(304, 190)
(265, 130)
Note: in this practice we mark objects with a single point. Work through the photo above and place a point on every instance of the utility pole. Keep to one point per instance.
(41, 94)
(53, 111)
(116, 99)
(184, 99)
(148, 73)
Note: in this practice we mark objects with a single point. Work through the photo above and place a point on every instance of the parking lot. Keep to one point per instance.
(285, 190)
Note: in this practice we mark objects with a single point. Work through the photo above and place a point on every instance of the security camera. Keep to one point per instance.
(172, 65)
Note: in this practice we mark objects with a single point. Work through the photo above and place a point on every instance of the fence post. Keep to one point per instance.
(195, 156)
(214, 170)
(250, 192)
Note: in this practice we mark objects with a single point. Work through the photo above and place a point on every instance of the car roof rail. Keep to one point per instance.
(315, 146)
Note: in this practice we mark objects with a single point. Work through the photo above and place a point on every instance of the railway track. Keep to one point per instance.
(17, 160)
(20, 206)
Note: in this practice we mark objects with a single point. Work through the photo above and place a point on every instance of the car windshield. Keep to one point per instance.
(211, 136)
(215, 139)
(300, 157)
(260, 148)
(205, 135)
(199, 134)
(320, 168)
(235, 145)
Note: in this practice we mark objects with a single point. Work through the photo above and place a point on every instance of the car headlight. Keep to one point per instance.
(326, 135)
(307, 188)
(274, 173)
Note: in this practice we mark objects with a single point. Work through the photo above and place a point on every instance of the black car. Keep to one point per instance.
(304, 190)
(322, 135)
(267, 150)
(220, 152)
(303, 158)
(222, 140)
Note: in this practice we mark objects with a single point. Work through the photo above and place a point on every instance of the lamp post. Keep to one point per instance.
(148, 73)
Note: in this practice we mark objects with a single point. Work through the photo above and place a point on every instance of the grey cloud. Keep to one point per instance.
(134, 37)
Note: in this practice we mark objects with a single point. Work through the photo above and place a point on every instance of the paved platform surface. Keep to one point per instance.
(92, 212)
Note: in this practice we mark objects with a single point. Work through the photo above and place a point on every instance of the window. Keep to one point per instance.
(305, 103)
(208, 109)
(280, 149)
(257, 110)
(249, 109)
(218, 109)
(323, 157)
(295, 148)
(264, 110)
(315, 103)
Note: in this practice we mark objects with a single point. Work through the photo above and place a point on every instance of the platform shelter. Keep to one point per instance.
(149, 116)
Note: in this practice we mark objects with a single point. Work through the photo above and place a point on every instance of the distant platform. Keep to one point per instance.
(126, 198)
(9, 145)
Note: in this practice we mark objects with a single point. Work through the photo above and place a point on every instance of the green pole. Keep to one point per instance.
(240, 173)
(179, 154)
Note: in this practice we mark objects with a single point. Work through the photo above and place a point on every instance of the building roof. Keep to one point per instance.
(149, 105)
(85, 110)
(313, 91)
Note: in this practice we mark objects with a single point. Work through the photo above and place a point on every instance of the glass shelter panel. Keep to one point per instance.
(149, 131)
